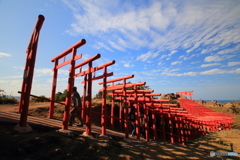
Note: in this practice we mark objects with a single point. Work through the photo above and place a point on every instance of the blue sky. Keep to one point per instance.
(173, 46)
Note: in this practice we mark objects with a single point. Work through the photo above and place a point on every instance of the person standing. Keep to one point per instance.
(77, 108)
(142, 121)
(131, 116)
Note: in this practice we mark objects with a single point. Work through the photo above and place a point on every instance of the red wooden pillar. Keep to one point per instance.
(177, 128)
(137, 113)
(154, 121)
(126, 124)
(146, 120)
(190, 133)
(186, 133)
(29, 71)
(120, 114)
(84, 98)
(89, 98)
(163, 128)
(112, 110)
(103, 116)
(68, 100)
(54, 85)
(170, 119)
(182, 135)
(163, 124)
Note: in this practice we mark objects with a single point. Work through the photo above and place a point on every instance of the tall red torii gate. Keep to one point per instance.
(74, 57)
(87, 89)
(29, 71)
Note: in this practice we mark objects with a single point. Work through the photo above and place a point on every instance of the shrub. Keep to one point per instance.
(8, 100)
(235, 107)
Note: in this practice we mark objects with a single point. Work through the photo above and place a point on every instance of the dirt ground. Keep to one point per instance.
(46, 143)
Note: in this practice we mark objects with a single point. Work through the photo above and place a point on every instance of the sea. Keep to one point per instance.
(219, 101)
(223, 101)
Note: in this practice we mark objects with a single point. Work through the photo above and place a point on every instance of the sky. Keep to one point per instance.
(171, 45)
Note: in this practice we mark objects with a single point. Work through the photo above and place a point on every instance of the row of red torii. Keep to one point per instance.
(163, 121)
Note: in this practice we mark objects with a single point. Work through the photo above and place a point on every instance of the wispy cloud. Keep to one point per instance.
(5, 54)
(147, 56)
(230, 50)
(182, 74)
(220, 71)
(11, 77)
(99, 45)
(217, 58)
(233, 63)
(128, 65)
(211, 64)
(195, 62)
(188, 27)
(176, 62)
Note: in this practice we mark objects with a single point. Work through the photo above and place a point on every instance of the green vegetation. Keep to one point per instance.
(4, 99)
(61, 96)
(235, 107)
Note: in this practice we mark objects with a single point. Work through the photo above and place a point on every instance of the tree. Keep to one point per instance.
(61, 96)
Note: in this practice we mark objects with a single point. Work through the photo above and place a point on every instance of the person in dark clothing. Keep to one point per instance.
(131, 116)
(142, 121)
(77, 110)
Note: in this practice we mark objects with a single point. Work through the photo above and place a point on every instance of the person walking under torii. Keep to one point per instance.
(77, 108)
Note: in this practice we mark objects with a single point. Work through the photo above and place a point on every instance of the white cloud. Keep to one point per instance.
(100, 45)
(3, 81)
(230, 50)
(160, 63)
(216, 58)
(187, 57)
(163, 56)
(160, 25)
(44, 71)
(220, 71)
(148, 55)
(116, 46)
(182, 74)
(11, 77)
(128, 65)
(205, 51)
(176, 62)
(211, 64)
(194, 62)
(49, 72)
(5, 54)
(233, 63)
(172, 52)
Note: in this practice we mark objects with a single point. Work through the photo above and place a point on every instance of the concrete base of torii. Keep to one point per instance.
(25, 129)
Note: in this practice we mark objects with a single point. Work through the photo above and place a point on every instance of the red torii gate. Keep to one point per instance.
(73, 50)
(28, 72)
(89, 86)
(87, 89)
(186, 93)
(115, 87)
